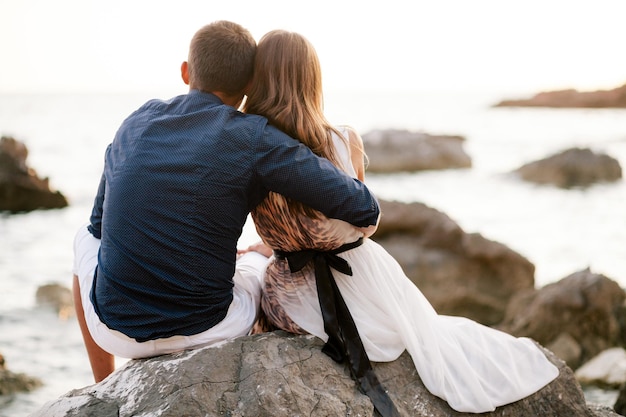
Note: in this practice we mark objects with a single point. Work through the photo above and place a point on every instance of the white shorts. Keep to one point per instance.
(240, 318)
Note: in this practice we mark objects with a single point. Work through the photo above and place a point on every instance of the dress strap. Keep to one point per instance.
(343, 338)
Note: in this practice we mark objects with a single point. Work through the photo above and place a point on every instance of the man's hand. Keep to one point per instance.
(259, 247)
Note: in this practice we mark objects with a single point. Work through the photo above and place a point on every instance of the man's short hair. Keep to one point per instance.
(221, 58)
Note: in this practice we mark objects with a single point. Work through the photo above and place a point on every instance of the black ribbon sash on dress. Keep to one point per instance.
(343, 338)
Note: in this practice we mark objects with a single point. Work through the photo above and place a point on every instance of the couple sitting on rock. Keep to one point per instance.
(157, 268)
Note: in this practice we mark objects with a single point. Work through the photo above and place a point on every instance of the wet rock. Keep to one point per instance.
(401, 150)
(21, 189)
(576, 167)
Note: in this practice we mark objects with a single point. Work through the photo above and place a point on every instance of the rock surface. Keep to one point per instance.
(572, 98)
(276, 374)
(581, 308)
(459, 273)
(401, 150)
(21, 189)
(620, 403)
(576, 167)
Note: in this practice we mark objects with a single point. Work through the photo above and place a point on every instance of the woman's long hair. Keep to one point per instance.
(287, 90)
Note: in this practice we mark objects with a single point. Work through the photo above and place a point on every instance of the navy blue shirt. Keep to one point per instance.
(180, 178)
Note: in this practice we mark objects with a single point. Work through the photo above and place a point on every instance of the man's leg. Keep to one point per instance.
(102, 362)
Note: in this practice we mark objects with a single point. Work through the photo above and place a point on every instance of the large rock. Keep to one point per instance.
(575, 167)
(581, 308)
(401, 150)
(572, 98)
(280, 375)
(461, 274)
(21, 189)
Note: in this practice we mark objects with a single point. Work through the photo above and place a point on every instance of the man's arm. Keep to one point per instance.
(95, 226)
(95, 220)
(290, 168)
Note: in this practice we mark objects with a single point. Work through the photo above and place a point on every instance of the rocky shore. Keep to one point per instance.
(576, 319)
(580, 320)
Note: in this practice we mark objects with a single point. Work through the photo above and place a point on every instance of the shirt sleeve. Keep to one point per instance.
(95, 221)
(290, 168)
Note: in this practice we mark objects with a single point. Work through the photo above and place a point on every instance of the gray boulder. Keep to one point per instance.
(576, 167)
(460, 274)
(277, 374)
(402, 150)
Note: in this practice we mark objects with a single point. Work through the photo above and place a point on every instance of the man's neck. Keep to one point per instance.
(233, 100)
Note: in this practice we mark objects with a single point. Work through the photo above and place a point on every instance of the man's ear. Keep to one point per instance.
(184, 72)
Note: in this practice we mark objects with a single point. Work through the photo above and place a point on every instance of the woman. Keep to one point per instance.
(471, 366)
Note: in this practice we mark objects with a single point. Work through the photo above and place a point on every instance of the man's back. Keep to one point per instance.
(178, 180)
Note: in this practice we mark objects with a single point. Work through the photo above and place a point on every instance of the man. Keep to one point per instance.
(156, 270)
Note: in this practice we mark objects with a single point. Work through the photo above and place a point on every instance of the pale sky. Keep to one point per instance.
(436, 45)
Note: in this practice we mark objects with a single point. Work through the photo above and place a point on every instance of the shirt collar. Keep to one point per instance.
(207, 96)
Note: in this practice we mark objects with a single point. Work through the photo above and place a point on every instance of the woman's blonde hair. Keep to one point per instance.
(287, 90)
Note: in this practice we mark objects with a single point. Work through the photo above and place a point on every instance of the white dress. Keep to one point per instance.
(471, 366)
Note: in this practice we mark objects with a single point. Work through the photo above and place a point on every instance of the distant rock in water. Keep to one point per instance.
(12, 383)
(402, 150)
(281, 375)
(576, 167)
(56, 297)
(21, 189)
(571, 98)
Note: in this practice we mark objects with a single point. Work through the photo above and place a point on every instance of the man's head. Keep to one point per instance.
(221, 59)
